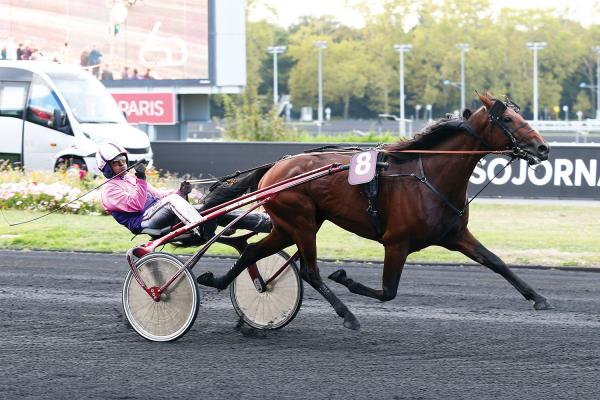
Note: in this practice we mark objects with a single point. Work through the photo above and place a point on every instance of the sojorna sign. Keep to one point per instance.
(572, 171)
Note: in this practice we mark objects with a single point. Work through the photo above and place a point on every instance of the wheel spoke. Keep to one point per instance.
(277, 306)
(174, 313)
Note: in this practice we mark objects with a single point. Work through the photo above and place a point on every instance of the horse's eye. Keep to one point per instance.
(506, 119)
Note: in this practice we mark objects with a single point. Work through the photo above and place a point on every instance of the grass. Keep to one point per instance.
(553, 235)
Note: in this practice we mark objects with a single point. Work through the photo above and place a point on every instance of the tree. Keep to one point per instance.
(361, 67)
(246, 121)
(380, 33)
(345, 68)
(435, 57)
(260, 35)
(582, 103)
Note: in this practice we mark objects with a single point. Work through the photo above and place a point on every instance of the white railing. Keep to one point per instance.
(589, 125)
(408, 124)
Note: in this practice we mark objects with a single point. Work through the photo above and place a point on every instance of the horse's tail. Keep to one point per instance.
(235, 186)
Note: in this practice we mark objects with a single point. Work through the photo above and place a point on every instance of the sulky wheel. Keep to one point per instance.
(279, 304)
(173, 315)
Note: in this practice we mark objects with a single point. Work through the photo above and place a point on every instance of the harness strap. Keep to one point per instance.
(424, 180)
(371, 189)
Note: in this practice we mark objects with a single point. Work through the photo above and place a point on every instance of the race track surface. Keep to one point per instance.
(451, 333)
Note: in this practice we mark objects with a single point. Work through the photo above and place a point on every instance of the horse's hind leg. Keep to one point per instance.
(272, 243)
(395, 256)
(472, 248)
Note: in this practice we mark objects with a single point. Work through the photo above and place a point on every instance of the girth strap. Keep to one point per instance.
(371, 189)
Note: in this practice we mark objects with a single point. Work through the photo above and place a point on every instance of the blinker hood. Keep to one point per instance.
(497, 109)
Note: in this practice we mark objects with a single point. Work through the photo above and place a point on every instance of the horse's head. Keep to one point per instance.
(502, 127)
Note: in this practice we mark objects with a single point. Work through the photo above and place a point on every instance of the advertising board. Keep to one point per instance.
(148, 108)
(571, 172)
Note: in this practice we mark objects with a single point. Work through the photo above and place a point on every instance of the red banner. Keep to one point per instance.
(148, 108)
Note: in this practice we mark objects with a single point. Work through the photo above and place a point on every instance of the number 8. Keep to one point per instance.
(363, 163)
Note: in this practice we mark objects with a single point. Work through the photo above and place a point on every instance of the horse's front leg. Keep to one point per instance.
(472, 248)
(395, 256)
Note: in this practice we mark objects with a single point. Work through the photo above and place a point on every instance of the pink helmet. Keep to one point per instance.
(108, 151)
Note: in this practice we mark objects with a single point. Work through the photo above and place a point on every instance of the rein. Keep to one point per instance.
(72, 201)
(450, 152)
(216, 181)
(495, 113)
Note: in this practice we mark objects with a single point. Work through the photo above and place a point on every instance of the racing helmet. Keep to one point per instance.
(106, 153)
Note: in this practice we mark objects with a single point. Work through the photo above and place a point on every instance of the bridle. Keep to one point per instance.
(495, 117)
(495, 113)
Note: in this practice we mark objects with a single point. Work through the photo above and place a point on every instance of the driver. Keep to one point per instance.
(134, 202)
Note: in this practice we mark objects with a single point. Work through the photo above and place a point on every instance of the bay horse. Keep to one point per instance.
(414, 213)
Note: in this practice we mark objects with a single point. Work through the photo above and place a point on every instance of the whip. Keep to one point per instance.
(142, 161)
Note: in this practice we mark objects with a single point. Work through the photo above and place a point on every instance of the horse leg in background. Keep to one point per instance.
(472, 248)
(310, 273)
(395, 256)
(275, 241)
(302, 225)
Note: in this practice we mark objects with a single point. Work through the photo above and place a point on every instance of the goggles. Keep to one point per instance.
(120, 160)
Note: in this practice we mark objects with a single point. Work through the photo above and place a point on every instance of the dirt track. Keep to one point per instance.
(452, 332)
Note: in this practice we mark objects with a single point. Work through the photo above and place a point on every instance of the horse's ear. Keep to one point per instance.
(467, 113)
(485, 99)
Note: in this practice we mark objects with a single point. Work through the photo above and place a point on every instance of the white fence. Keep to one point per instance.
(589, 126)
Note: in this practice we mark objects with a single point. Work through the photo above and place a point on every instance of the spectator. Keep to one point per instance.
(125, 73)
(64, 53)
(147, 74)
(107, 74)
(20, 51)
(135, 75)
(95, 60)
(26, 55)
(3, 53)
(84, 58)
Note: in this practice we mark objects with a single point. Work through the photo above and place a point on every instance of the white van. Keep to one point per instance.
(54, 115)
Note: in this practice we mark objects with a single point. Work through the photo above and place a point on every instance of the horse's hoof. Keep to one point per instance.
(206, 279)
(542, 305)
(352, 323)
(338, 276)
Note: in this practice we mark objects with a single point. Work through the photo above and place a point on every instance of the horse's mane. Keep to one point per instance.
(432, 134)
(441, 129)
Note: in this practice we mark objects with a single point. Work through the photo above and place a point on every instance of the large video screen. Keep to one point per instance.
(114, 39)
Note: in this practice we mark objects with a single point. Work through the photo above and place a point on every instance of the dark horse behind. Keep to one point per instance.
(422, 202)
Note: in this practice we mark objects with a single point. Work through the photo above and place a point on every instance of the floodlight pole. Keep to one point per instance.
(275, 50)
(401, 49)
(464, 47)
(597, 51)
(321, 44)
(535, 46)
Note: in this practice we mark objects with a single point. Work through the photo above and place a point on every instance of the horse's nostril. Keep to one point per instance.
(543, 149)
